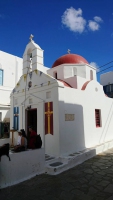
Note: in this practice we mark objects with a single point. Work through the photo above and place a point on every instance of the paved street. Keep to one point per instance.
(92, 180)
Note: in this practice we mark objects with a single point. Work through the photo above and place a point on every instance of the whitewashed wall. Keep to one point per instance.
(88, 68)
(69, 136)
(39, 97)
(37, 58)
(71, 132)
(82, 132)
(59, 70)
(12, 67)
(12, 70)
(52, 141)
(22, 166)
(76, 78)
(5, 113)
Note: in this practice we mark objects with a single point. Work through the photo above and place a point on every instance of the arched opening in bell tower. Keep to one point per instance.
(29, 59)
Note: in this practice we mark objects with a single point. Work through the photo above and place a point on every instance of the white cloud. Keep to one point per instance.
(73, 19)
(98, 19)
(93, 26)
(94, 64)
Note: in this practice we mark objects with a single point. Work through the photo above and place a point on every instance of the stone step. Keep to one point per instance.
(56, 166)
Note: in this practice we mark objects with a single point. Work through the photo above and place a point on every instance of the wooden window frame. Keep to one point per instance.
(98, 118)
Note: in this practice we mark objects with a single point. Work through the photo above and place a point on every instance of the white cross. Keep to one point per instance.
(31, 37)
(68, 50)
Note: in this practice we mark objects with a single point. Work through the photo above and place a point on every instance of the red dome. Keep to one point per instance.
(69, 58)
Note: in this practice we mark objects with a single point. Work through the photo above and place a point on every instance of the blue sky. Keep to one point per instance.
(83, 26)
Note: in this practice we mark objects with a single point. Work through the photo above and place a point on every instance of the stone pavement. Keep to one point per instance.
(92, 180)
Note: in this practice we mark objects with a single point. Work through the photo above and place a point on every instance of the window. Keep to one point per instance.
(111, 87)
(91, 74)
(108, 89)
(74, 71)
(29, 59)
(30, 56)
(1, 77)
(0, 116)
(97, 118)
(55, 75)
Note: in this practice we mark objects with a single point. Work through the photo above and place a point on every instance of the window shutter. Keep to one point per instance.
(1, 77)
(16, 118)
(97, 117)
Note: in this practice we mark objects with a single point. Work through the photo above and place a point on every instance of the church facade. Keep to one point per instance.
(65, 104)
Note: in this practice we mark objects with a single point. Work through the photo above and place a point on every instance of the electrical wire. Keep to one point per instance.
(104, 64)
(104, 69)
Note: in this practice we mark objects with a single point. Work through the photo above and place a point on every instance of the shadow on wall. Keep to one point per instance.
(71, 122)
(107, 124)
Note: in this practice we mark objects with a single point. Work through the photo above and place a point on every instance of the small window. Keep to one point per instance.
(48, 95)
(74, 71)
(108, 88)
(1, 77)
(0, 116)
(31, 56)
(97, 117)
(31, 59)
(91, 74)
(55, 75)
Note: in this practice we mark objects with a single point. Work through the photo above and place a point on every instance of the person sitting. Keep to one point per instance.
(23, 133)
(32, 139)
(21, 142)
(25, 137)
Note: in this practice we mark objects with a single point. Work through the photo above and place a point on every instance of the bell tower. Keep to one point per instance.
(33, 57)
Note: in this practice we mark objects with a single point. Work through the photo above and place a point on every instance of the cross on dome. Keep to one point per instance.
(68, 50)
(31, 37)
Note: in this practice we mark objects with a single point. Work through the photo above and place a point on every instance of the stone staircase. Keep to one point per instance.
(56, 165)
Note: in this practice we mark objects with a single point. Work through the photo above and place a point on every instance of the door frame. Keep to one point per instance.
(26, 118)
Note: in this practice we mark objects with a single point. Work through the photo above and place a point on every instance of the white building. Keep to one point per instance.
(10, 72)
(106, 80)
(65, 104)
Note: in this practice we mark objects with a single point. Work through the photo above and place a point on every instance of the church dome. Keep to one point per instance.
(70, 59)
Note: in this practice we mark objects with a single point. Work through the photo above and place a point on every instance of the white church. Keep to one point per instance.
(65, 104)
